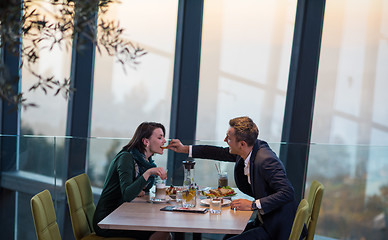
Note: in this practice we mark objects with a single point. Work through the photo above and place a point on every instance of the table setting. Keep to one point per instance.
(190, 197)
(186, 208)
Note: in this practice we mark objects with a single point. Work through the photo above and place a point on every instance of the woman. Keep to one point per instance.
(131, 174)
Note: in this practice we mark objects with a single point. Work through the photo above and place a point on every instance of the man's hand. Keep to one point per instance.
(241, 204)
(177, 146)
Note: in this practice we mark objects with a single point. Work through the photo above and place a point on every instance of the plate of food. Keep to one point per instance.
(219, 192)
(224, 202)
(171, 191)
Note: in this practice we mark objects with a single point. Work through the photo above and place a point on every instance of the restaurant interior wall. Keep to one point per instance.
(349, 134)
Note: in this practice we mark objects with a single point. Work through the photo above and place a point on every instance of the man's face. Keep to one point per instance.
(230, 139)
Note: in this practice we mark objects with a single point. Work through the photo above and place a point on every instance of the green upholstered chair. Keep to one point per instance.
(81, 206)
(299, 220)
(45, 220)
(314, 199)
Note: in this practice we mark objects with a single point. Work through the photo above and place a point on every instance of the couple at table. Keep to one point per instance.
(258, 173)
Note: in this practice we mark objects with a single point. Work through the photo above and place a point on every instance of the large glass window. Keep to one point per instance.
(125, 97)
(49, 117)
(246, 49)
(350, 111)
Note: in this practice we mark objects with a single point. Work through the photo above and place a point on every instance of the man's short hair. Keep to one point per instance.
(244, 129)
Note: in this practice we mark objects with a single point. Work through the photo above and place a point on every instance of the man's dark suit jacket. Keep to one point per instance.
(269, 184)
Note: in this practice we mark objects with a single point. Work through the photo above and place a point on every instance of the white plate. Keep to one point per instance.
(203, 188)
(153, 200)
(207, 202)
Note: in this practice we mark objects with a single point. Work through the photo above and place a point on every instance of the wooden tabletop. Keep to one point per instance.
(142, 215)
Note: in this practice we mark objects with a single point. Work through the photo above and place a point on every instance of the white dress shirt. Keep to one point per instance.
(247, 173)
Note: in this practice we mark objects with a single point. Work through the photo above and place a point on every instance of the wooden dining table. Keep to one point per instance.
(141, 214)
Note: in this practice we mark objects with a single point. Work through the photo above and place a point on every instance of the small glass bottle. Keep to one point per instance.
(189, 193)
(188, 179)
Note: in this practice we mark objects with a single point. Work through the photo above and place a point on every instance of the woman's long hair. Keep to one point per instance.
(144, 130)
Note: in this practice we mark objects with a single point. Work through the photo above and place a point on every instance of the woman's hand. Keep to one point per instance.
(159, 171)
(241, 204)
(177, 146)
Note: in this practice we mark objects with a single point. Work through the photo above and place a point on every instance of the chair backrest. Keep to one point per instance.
(81, 205)
(45, 219)
(299, 220)
(314, 199)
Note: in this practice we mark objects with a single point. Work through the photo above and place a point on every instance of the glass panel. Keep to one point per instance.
(350, 109)
(43, 156)
(124, 99)
(101, 153)
(246, 51)
(355, 198)
(206, 171)
(37, 164)
(49, 118)
(36, 155)
(355, 179)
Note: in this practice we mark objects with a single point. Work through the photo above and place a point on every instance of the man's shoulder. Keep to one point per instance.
(262, 147)
(262, 143)
(263, 150)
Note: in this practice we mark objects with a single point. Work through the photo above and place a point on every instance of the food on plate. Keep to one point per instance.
(218, 199)
(171, 190)
(219, 192)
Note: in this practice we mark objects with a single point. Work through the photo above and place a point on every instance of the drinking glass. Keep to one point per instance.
(179, 196)
(160, 190)
(189, 198)
(215, 205)
(223, 179)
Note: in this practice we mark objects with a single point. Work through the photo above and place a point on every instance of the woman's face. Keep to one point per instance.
(156, 141)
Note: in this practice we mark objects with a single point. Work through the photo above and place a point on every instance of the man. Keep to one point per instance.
(258, 173)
